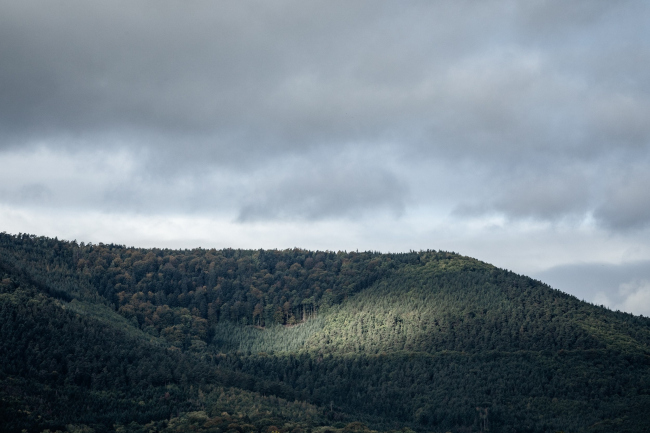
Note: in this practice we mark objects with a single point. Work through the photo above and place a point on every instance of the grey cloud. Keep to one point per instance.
(177, 68)
(622, 120)
(611, 191)
(35, 192)
(326, 193)
(29, 193)
(292, 74)
(316, 187)
(615, 285)
(549, 20)
(545, 193)
(626, 204)
(635, 296)
(540, 97)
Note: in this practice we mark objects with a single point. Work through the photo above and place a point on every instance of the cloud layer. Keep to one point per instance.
(547, 102)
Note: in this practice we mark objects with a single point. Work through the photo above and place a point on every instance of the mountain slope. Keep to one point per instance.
(59, 368)
(433, 341)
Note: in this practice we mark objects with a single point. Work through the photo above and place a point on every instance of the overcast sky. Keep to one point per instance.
(516, 132)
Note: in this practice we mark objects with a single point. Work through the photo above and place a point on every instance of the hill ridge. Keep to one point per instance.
(414, 340)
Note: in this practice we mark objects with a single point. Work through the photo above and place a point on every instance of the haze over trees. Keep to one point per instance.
(109, 338)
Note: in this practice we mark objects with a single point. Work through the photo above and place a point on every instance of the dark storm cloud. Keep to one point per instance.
(548, 100)
(289, 76)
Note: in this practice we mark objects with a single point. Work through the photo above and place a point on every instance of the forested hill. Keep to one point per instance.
(109, 338)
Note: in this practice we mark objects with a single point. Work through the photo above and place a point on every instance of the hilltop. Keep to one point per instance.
(114, 338)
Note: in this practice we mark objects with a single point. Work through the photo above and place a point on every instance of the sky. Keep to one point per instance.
(516, 132)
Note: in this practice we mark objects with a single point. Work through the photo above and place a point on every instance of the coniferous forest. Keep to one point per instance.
(108, 338)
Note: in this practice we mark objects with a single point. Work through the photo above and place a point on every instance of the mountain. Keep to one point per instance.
(109, 338)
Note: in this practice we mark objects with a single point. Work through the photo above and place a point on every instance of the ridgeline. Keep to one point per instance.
(103, 338)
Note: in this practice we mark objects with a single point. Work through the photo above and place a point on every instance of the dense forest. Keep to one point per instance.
(103, 338)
